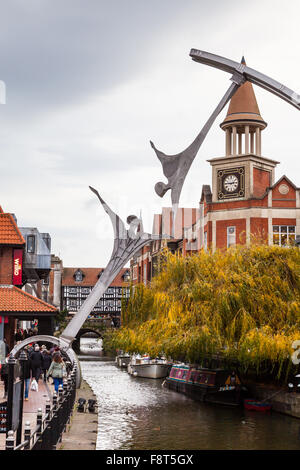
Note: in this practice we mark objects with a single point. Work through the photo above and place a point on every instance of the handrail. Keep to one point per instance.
(50, 427)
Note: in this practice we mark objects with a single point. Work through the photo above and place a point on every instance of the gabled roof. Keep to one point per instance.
(13, 299)
(9, 232)
(206, 193)
(286, 179)
(90, 277)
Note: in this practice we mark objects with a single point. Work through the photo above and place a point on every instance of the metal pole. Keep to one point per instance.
(23, 358)
(10, 392)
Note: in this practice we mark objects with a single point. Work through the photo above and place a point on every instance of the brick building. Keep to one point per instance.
(15, 304)
(245, 200)
(146, 263)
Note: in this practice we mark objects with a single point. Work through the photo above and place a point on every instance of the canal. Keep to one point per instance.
(136, 413)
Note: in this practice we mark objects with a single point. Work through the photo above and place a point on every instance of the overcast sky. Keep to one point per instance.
(90, 82)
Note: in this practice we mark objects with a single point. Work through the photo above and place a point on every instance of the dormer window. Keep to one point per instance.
(78, 276)
(126, 276)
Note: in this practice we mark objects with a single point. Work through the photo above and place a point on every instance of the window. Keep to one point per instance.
(46, 280)
(78, 276)
(284, 235)
(30, 243)
(231, 236)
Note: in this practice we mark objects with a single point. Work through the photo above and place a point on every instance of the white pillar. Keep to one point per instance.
(234, 140)
(257, 142)
(246, 139)
(228, 142)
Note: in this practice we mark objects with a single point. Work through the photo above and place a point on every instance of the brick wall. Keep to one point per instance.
(259, 228)
(6, 265)
(221, 229)
(261, 181)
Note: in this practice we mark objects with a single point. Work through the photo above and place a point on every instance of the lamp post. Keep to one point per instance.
(23, 358)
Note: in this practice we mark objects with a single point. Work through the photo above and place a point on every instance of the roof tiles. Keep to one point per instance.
(90, 277)
(13, 299)
(9, 232)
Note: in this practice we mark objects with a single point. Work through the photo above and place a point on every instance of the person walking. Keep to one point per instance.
(46, 361)
(36, 362)
(57, 370)
(27, 375)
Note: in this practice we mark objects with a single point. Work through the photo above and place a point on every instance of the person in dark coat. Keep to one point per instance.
(47, 359)
(36, 362)
(27, 375)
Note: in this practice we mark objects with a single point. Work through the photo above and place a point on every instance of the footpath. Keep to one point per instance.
(81, 433)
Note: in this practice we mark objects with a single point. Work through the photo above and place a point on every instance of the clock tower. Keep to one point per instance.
(244, 199)
(243, 173)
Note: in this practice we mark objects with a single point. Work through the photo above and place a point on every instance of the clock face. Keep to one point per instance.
(230, 183)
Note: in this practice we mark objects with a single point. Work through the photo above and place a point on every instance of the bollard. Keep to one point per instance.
(27, 435)
(39, 421)
(60, 392)
(10, 441)
(48, 410)
(54, 401)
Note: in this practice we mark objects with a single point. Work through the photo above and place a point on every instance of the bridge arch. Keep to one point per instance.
(82, 332)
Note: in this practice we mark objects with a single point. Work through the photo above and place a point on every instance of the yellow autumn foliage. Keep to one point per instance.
(242, 304)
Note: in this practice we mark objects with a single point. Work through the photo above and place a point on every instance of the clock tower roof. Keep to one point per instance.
(243, 108)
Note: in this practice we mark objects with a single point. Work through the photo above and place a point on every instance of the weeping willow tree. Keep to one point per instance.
(243, 304)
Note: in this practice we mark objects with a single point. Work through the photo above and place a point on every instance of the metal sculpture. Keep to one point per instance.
(253, 76)
(126, 244)
(176, 167)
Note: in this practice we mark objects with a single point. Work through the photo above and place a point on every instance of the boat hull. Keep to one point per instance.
(204, 394)
(149, 371)
(122, 361)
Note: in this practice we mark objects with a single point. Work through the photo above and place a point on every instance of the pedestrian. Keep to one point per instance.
(46, 361)
(54, 350)
(57, 370)
(36, 362)
(27, 374)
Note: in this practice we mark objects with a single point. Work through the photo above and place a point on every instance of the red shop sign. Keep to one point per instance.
(17, 267)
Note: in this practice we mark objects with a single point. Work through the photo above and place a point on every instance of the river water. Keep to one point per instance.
(136, 413)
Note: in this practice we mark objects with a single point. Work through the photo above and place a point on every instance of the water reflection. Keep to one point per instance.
(91, 346)
(136, 413)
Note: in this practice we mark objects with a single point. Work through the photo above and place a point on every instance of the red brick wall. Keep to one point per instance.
(261, 181)
(259, 228)
(6, 265)
(221, 206)
(283, 221)
(221, 228)
(284, 200)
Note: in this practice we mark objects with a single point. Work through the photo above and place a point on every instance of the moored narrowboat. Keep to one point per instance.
(218, 386)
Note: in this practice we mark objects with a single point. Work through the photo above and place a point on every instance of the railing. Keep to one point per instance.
(49, 429)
